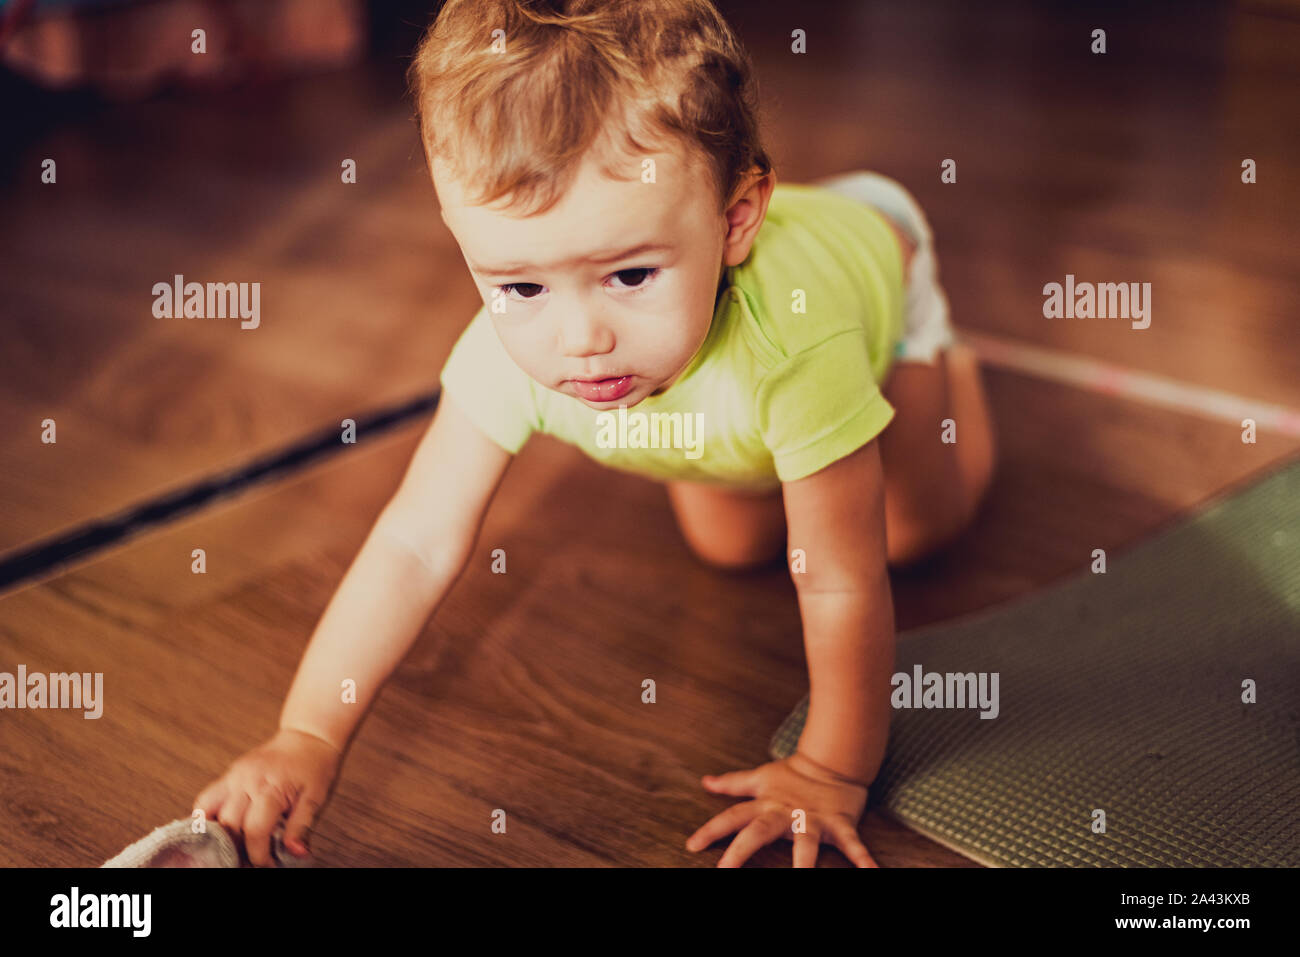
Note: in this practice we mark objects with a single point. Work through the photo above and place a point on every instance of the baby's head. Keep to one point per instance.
(599, 163)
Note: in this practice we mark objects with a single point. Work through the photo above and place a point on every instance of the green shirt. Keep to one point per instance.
(772, 395)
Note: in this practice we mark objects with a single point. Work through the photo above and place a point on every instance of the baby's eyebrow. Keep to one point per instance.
(511, 269)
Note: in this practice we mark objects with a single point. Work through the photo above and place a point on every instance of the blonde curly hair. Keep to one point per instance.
(511, 94)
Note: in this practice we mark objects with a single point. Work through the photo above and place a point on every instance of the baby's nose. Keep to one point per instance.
(584, 333)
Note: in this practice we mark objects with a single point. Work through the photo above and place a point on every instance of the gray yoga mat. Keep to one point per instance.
(1121, 692)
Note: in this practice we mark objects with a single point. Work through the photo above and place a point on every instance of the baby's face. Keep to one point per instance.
(617, 282)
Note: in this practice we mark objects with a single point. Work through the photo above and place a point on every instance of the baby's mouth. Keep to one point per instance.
(603, 390)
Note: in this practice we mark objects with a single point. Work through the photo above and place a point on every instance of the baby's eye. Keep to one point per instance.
(637, 278)
(536, 289)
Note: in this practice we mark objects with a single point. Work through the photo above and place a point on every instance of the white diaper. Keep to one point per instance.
(927, 329)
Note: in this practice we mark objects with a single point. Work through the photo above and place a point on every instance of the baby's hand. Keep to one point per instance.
(831, 806)
(292, 773)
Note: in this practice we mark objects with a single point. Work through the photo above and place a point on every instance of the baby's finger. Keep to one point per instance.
(843, 836)
(301, 820)
(761, 831)
(258, 825)
(734, 817)
(806, 847)
(737, 783)
(232, 811)
(210, 798)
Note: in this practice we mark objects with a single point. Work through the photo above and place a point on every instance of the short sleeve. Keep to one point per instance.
(484, 381)
(820, 404)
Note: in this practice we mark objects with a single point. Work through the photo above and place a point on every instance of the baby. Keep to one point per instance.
(599, 164)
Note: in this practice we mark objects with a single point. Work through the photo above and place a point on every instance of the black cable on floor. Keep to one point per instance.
(98, 534)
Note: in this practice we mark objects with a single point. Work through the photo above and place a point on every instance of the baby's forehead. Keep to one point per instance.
(601, 211)
(618, 182)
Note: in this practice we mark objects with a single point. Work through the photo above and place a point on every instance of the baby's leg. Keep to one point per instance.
(932, 488)
(905, 244)
(977, 458)
(729, 529)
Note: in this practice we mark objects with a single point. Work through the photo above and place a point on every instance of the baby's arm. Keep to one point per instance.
(415, 552)
(413, 555)
(837, 516)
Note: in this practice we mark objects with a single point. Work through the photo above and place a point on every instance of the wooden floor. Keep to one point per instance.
(523, 692)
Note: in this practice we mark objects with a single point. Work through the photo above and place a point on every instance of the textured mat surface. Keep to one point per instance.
(1123, 693)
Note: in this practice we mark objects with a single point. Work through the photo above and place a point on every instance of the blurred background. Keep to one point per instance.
(226, 166)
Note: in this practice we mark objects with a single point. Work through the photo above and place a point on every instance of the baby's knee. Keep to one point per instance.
(736, 556)
(920, 532)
